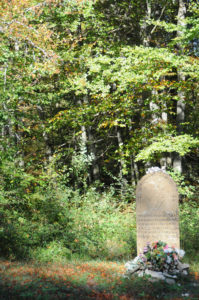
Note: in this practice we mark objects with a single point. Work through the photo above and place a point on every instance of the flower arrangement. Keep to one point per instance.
(159, 261)
(160, 257)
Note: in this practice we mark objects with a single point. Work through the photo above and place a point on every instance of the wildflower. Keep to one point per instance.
(145, 250)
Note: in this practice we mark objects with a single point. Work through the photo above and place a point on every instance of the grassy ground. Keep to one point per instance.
(87, 280)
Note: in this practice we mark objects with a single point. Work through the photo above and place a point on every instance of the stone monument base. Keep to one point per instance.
(134, 267)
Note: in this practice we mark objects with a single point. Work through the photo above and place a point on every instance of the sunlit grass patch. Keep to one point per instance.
(87, 279)
(83, 280)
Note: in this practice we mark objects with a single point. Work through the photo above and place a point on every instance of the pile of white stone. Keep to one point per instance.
(169, 273)
(155, 169)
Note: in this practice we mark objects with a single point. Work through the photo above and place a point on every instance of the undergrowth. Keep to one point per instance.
(63, 224)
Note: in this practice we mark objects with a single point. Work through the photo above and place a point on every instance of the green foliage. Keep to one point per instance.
(53, 252)
(189, 228)
(185, 189)
(101, 228)
(80, 70)
(63, 222)
(181, 144)
(80, 165)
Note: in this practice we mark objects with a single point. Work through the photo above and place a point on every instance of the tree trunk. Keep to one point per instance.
(85, 136)
(121, 161)
(4, 127)
(180, 110)
(145, 37)
(95, 166)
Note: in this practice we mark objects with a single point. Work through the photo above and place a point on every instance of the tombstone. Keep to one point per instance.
(157, 215)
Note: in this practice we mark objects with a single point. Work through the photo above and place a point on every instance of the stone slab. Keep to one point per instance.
(157, 210)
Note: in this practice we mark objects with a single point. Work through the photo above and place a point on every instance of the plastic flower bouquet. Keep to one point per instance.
(160, 257)
(159, 261)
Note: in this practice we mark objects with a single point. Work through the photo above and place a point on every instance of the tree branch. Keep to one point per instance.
(154, 28)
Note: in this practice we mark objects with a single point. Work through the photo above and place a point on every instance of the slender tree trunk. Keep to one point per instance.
(120, 144)
(134, 166)
(181, 94)
(177, 161)
(95, 166)
(134, 172)
(85, 135)
(48, 148)
(122, 162)
(3, 130)
(145, 36)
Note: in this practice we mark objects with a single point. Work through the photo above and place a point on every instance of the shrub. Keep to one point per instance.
(189, 228)
(100, 228)
(91, 224)
(53, 252)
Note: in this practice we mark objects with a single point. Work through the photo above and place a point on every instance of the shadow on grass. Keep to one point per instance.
(85, 281)
(37, 290)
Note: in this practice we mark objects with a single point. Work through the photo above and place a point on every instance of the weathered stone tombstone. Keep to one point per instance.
(157, 215)
(157, 220)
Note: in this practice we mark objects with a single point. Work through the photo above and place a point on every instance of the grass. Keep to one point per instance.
(86, 280)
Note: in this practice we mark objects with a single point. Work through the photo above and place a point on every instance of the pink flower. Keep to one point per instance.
(175, 256)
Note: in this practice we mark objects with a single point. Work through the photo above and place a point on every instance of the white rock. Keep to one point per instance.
(185, 295)
(168, 260)
(166, 266)
(133, 265)
(155, 169)
(168, 275)
(176, 271)
(132, 268)
(133, 261)
(151, 279)
(182, 266)
(137, 259)
(155, 274)
(170, 280)
(184, 272)
(140, 274)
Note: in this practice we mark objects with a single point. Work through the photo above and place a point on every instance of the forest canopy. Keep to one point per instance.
(92, 93)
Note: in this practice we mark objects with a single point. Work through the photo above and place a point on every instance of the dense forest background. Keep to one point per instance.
(93, 93)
